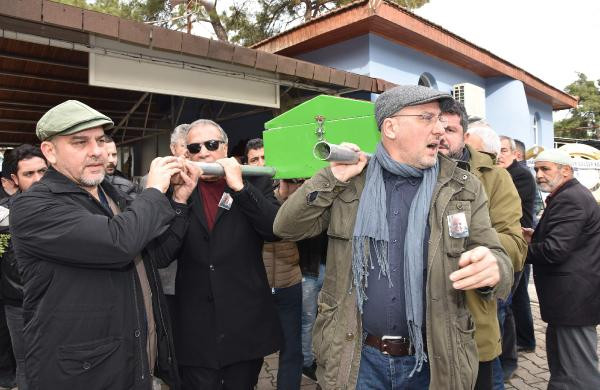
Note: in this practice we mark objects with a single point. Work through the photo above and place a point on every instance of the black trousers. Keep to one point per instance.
(484, 376)
(237, 376)
(7, 358)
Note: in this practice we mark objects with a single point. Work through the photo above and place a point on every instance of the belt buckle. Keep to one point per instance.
(384, 338)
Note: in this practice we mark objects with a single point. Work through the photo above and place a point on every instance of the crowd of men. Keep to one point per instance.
(406, 270)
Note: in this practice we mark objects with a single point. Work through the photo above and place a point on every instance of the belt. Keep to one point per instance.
(391, 346)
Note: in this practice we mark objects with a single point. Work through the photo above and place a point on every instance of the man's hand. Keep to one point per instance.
(161, 170)
(527, 234)
(233, 173)
(478, 268)
(344, 172)
(186, 182)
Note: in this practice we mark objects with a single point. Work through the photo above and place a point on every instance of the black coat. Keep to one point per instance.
(525, 184)
(83, 307)
(225, 311)
(565, 253)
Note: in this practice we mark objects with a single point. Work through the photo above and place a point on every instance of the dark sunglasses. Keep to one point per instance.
(210, 145)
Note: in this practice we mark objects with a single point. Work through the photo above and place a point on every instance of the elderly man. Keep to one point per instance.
(504, 212)
(30, 168)
(113, 175)
(225, 317)
(564, 251)
(93, 308)
(518, 319)
(392, 310)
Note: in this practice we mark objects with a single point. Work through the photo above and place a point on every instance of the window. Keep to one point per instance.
(427, 80)
(537, 139)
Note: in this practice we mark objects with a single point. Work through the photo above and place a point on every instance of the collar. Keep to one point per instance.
(560, 189)
(515, 164)
(58, 183)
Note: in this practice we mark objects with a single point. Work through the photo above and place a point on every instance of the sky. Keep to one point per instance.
(551, 39)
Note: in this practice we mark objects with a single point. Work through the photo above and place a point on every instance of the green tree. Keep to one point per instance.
(584, 117)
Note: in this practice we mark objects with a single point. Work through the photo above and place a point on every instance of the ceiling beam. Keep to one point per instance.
(65, 95)
(18, 57)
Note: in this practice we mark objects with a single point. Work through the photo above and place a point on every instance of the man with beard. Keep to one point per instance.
(113, 175)
(94, 314)
(504, 213)
(30, 168)
(392, 311)
(564, 250)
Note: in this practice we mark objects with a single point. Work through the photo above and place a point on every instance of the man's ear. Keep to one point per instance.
(388, 129)
(49, 151)
(15, 179)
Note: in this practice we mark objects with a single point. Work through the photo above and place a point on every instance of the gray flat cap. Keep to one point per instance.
(70, 117)
(395, 99)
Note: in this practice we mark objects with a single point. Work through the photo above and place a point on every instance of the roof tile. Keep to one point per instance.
(194, 45)
(305, 70)
(62, 15)
(23, 9)
(266, 61)
(134, 32)
(286, 65)
(100, 23)
(220, 50)
(352, 80)
(322, 73)
(337, 76)
(364, 83)
(244, 56)
(166, 39)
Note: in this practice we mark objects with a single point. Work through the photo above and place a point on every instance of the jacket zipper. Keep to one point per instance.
(137, 316)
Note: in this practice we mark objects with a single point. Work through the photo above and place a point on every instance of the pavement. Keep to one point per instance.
(532, 373)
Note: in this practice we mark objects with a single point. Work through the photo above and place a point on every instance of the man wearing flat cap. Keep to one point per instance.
(94, 314)
(565, 252)
(392, 310)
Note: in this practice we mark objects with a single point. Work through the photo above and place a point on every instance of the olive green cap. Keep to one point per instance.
(70, 117)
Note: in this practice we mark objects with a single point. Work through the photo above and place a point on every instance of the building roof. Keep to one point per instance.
(43, 61)
(387, 19)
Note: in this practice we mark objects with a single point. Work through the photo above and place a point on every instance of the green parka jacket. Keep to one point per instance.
(324, 203)
(505, 214)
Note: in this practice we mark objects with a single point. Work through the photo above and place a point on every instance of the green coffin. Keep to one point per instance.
(289, 138)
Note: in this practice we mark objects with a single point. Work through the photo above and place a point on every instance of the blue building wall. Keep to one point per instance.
(351, 55)
(543, 112)
(508, 109)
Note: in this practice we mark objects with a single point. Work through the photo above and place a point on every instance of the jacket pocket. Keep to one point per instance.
(85, 360)
(467, 355)
(324, 328)
(343, 216)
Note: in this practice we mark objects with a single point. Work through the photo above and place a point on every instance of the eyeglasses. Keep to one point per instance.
(427, 117)
(210, 145)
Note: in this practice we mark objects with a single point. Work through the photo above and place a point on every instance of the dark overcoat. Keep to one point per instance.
(225, 311)
(565, 253)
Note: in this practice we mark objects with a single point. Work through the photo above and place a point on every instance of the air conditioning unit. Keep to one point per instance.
(472, 97)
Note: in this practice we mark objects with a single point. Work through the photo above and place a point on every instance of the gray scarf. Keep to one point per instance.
(371, 233)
